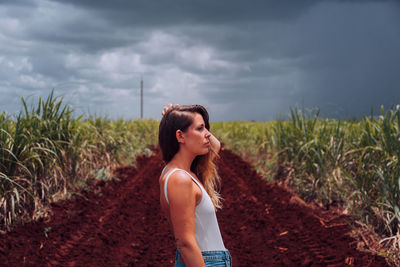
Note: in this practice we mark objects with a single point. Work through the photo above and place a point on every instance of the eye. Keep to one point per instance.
(200, 128)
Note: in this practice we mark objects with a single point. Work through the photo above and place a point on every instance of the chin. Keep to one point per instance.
(204, 152)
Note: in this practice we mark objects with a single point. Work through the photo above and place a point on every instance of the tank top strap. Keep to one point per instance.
(169, 174)
(194, 179)
(166, 183)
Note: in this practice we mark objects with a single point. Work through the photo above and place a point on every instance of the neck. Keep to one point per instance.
(182, 160)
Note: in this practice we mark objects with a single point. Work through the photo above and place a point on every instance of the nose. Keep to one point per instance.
(208, 134)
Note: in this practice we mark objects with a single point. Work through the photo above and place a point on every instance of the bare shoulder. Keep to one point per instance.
(181, 191)
(177, 178)
(180, 178)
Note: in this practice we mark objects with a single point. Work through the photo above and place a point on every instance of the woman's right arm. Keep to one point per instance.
(182, 205)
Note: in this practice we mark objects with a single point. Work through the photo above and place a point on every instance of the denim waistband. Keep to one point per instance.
(220, 254)
(211, 258)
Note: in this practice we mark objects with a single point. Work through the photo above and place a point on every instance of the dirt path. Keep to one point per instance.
(262, 225)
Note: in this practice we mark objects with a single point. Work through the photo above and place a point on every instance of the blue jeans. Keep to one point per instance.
(211, 258)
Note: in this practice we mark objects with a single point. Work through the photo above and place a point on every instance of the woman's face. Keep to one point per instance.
(197, 136)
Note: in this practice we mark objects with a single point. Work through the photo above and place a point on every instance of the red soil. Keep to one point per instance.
(261, 224)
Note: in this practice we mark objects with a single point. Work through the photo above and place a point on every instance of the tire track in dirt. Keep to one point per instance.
(262, 225)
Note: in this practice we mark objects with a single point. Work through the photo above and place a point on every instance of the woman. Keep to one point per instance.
(187, 186)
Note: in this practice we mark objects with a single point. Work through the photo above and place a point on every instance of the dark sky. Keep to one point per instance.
(243, 60)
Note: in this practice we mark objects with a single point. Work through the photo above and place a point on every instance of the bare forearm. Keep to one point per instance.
(215, 143)
(191, 255)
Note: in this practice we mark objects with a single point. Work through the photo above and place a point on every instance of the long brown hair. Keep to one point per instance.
(180, 118)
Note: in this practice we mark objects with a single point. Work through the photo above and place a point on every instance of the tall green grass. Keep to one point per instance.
(47, 153)
(377, 170)
(315, 147)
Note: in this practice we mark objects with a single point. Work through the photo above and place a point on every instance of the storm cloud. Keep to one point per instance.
(243, 61)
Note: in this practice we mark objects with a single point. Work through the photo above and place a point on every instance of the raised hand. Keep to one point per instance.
(166, 108)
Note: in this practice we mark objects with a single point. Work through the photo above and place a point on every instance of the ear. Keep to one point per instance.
(180, 137)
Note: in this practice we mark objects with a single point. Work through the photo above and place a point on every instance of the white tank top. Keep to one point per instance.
(207, 232)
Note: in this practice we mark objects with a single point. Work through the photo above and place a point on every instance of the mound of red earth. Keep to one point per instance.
(261, 224)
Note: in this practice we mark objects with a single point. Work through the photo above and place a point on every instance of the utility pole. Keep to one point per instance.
(141, 98)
